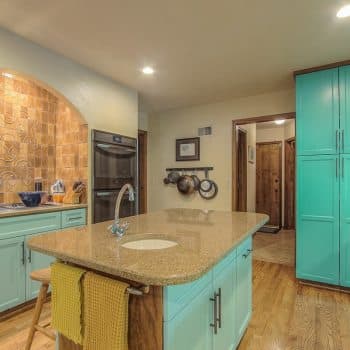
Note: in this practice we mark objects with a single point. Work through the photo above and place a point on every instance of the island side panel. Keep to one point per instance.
(145, 323)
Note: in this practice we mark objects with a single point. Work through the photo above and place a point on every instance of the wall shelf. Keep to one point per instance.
(206, 169)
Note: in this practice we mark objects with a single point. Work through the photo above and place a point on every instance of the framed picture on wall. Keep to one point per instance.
(188, 149)
(251, 154)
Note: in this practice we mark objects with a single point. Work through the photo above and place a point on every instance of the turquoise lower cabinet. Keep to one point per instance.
(12, 262)
(345, 221)
(190, 328)
(318, 218)
(224, 287)
(35, 261)
(213, 312)
(244, 288)
(17, 261)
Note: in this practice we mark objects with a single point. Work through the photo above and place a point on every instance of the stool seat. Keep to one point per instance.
(43, 275)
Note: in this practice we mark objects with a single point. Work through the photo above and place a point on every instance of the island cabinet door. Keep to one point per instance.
(243, 288)
(190, 329)
(317, 112)
(12, 272)
(345, 221)
(35, 261)
(224, 287)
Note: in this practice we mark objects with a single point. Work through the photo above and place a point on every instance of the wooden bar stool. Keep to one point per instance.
(44, 277)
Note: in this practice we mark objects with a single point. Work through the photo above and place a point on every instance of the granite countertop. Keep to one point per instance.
(203, 237)
(4, 213)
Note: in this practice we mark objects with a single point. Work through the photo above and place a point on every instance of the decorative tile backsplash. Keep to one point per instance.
(35, 128)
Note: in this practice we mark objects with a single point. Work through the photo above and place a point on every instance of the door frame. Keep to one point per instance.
(242, 121)
(286, 179)
(244, 173)
(142, 170)
(280, 172)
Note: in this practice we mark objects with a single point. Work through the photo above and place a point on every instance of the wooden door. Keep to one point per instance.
(289, 187)
(317, 106)
(241, 170)
(142, 171)
(268, 180)
(317, 233)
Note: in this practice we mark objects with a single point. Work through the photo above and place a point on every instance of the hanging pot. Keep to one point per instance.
(211, 193)
(196, 182)
(185, 184)
(173, 177)
(206, 185)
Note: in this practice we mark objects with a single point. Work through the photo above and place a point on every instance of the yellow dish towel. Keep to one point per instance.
(67, 300)
(105, 313)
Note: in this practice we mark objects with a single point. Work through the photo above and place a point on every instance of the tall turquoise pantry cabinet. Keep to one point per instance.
(323, 176)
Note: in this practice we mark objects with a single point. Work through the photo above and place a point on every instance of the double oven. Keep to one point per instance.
(115, 164)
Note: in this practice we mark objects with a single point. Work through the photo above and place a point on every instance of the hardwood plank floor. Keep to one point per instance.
(277, 248)
(291, 316)
(286, 316)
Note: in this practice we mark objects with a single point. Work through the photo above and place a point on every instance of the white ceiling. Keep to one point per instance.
(273, 125)
(203, 50)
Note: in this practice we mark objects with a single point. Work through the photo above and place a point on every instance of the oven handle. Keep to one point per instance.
(106, 147)
(104, 194)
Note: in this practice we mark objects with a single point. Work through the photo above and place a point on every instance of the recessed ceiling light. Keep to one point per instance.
(279, 121)
(8, 75)
(147, 70)
(344, 12)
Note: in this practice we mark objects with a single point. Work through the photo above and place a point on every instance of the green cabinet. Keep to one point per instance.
(224, 289)
(17, 261)
(190, 327)
(317, 113)
(345, 221)
(213, 312)
(244, 289)
(318, 218)
(12, 262)
(35, 261)
(344, 88)
(323, 191)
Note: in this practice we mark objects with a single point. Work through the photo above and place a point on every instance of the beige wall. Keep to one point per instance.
(278, 133)
(104, 104)
(216, 150)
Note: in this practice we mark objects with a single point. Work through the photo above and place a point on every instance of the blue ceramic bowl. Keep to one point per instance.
(30, 199)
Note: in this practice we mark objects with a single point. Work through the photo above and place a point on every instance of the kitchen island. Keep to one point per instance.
(196, 293)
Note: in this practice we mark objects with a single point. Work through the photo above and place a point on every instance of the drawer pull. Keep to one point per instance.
(247, 253)
(219, 318)
(23, 254)
(75, 218)
(30, 256)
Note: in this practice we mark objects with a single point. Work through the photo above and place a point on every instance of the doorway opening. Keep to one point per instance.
(264, 181)
(142, 171)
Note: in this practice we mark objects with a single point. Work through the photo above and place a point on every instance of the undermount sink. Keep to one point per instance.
(149, 244)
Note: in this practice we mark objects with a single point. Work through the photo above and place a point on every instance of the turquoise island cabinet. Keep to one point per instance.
(323, 176)
(213, 312)
(17, 261)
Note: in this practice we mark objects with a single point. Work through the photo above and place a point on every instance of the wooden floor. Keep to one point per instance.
(275, 247)
(286, 316)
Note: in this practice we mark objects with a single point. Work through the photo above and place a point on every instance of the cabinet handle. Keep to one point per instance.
(30, 256)
(247, 253)
(336, 168)
(342, 139)
(342, 167)
(215, 325)
(23, 254)
(75, 218)
(337, 139)
(219, 318)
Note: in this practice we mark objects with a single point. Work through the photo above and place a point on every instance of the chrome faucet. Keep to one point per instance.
(117, 228)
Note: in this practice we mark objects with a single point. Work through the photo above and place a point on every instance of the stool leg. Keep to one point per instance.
(37, 311)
